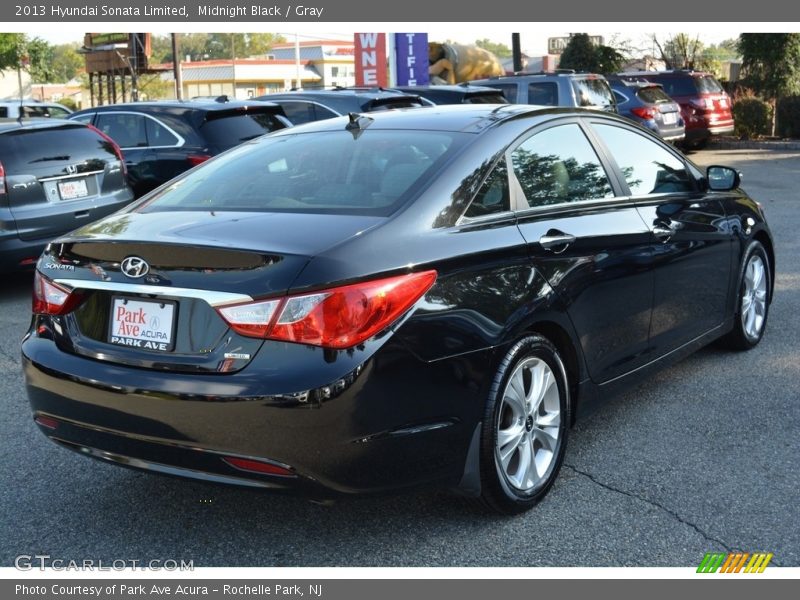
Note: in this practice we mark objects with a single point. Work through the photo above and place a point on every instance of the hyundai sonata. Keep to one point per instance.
(380, 301)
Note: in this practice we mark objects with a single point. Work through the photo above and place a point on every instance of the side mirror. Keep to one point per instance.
(722, 179)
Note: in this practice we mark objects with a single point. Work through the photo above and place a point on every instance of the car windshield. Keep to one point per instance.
(365, 172)
(233, 129)
(593, 92)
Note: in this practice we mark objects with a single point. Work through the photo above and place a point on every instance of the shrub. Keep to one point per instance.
(753, 117)
(789, 116)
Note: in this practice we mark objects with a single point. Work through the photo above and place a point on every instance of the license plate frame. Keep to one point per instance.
(125, 327)
(669, 118)
(73, 189)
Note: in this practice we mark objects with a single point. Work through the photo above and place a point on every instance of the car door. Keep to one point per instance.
(588, 241)
(692, 244)
(127, 129)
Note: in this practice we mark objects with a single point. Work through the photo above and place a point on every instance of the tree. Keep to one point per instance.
(582, 55)
(499, 50)
(11, 45)
(771, 65)
(67, 63)
(35, 52)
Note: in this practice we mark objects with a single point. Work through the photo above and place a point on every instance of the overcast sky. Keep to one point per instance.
(533, 35)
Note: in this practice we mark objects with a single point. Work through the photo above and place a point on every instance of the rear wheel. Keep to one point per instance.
(525, 427)
(755, 283)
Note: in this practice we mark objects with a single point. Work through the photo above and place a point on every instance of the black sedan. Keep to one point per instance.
(373, 302)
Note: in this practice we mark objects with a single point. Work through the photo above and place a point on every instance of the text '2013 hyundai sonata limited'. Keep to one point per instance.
(374, 302)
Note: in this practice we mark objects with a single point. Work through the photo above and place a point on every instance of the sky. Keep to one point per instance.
(533, 36)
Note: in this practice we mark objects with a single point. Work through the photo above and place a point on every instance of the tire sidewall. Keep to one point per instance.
(754, 248)
(501, 494)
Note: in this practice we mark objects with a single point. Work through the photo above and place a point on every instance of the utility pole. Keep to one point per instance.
(176, 68)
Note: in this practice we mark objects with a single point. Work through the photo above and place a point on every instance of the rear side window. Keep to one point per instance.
(31, 148)
(87, 118)
(707, 84)
(232, 129)
(544, 93)
(126, 129)
(299, 112)
(158, 135)
(3, 112)
(509, 90)
(559, 165)
(493, 196)
(653, 95)
(485, 99)
(333, 172)
(647, 167)
(593, 92)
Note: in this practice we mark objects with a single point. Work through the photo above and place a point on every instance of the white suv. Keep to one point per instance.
(14, 109)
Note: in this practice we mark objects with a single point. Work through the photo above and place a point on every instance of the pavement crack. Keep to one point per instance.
(672, 513)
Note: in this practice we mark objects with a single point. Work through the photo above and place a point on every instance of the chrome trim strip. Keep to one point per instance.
(213, 298)
(72, 176)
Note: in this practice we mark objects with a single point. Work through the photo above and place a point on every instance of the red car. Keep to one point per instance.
(705, 106)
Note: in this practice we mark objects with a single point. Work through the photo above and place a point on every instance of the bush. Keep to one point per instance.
(753, 117)
(789, 116)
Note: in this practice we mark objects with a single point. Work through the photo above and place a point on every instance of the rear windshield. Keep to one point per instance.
(593, 92)
(653, 95)
(23, 149)
(387, 104)
(509, 90)
(497, 98)
(690, 86)
(227, 132)
(368, 172)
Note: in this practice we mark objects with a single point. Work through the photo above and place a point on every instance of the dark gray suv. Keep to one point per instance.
(54, 177)
(561, 88)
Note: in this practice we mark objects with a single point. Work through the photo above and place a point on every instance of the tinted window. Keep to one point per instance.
(3, 111)
(127, 129)
(653, 95)
(332, 172)
(707, 84)
(647, 167)
(593, 92)
(158, 135)
(544, 93)
(678, 86)
(559, 165)
(87, 118)
(497, 98)
(299, 112)
(27, 149)
(229, 131)
(493, 196)
(509, 90)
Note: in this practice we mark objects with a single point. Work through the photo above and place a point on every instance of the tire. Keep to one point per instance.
(524, 436)
(752, 300)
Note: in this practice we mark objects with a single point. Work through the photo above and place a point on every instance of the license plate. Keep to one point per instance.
(70, 190)
(142, 324)
(669, 118)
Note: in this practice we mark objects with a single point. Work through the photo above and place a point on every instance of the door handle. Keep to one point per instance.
(551, 242)
(663, 232)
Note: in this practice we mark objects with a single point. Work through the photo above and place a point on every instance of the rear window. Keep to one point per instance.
(384, 104)
(231, 130)
(653, 95)
(690, 86)
(371, 172)
(25, 148)
(707, 84)
(509, 90)
(593, 92)
(544, 93)
(497, 98)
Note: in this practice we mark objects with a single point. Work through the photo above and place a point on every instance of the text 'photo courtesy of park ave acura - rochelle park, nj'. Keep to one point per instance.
(318, 294)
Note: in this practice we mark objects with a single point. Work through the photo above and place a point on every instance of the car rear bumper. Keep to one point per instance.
(17, 254)
(390, 422)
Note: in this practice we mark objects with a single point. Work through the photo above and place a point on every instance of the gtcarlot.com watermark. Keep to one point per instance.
(42, 562)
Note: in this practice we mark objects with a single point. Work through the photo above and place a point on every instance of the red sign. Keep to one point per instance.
(370, 58)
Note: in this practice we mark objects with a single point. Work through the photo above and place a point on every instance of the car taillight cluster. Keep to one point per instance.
(3, 186)
(197, 159)
(336, 318)
(645, 112)
(114, 146)
(49, 298)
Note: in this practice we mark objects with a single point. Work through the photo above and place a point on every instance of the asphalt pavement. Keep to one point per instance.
(704, 457)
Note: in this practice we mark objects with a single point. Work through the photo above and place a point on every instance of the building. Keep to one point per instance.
(9, 85)
(322, 63)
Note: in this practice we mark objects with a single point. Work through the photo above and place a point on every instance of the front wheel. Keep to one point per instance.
(752, 303)
(525, 427)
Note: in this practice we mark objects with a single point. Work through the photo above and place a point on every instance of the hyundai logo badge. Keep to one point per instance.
(135, 267)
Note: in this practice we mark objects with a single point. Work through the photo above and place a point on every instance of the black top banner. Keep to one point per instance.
(354, 11)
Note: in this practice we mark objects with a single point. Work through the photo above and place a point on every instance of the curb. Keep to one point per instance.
(733, 144)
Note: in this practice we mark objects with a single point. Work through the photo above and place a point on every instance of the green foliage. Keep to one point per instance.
(581, 55)
(771, 63)
(753, 117)
(69, 103)
(67, 63)
(789, 116)
(499, 50)
(211, 46)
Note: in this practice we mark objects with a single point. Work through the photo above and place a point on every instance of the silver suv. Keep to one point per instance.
(561, 88)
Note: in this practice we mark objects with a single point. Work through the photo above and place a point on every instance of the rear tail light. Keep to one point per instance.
(49, 298)
(702, 103)
(197, 159)
(257, 466)
(114, 146)
(337, 318)
(3, 186)
(644, 112)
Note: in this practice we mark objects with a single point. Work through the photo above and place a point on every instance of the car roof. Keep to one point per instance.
(673, 73)
(542, 75)
(35, 123)
(461, 89)
(359, 92)
(471, 118)
(201, 105)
